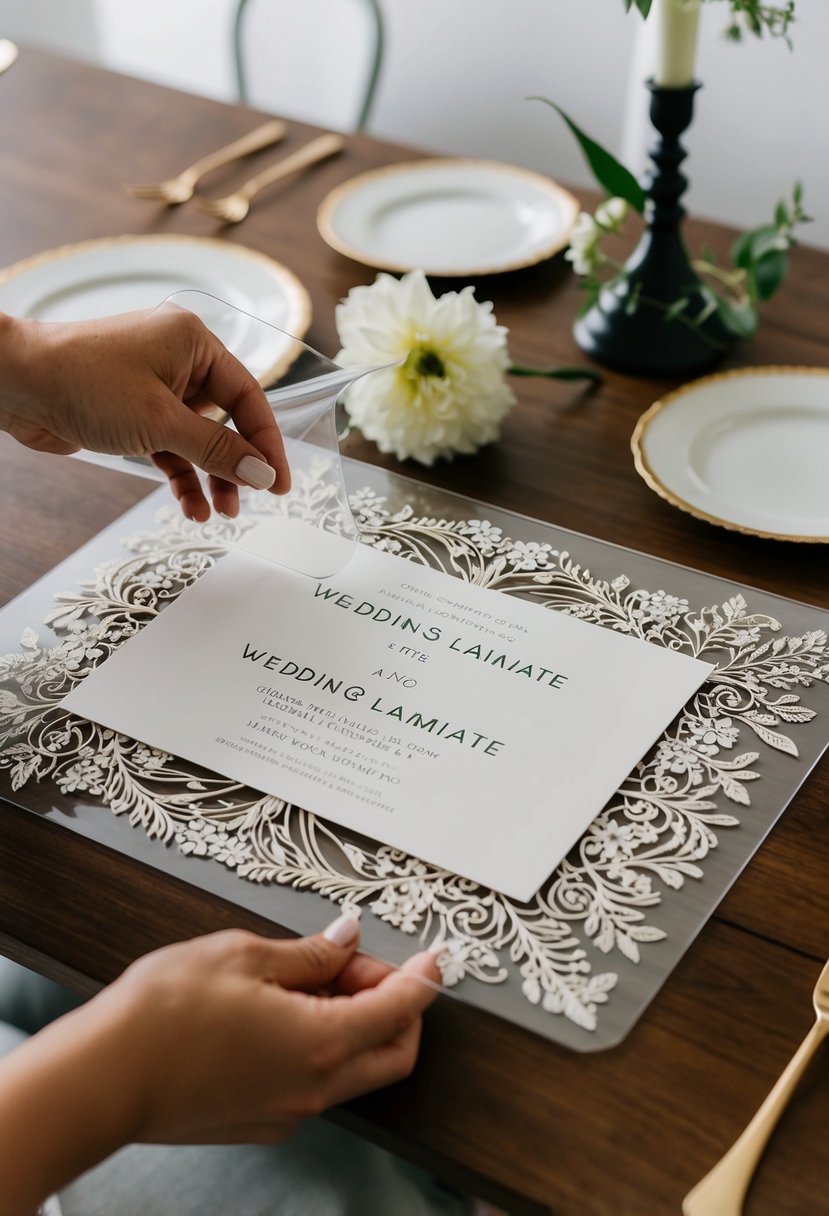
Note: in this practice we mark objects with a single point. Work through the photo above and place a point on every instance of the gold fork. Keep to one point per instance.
(180, 188)
(234, 207)
(722, 1191)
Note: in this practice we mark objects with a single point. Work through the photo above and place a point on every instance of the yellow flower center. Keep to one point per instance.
(423, 361)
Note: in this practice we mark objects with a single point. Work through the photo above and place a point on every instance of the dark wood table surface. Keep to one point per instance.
(491, 1107)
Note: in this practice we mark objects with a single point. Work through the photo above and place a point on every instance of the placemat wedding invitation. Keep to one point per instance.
(400, 703)
(589, 784)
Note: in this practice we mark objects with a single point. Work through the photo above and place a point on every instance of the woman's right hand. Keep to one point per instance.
(140, 385)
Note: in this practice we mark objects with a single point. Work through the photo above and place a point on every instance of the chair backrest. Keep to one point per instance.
(319, 37)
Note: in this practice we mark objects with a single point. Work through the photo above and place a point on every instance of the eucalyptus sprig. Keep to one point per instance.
(752, 15)
(759, 257)
(759, 263)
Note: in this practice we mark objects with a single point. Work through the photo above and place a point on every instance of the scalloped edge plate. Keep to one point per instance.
(746, 450)
(448, 217)
(98, 278)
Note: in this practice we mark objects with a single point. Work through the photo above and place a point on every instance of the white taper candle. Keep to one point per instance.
(677, 24)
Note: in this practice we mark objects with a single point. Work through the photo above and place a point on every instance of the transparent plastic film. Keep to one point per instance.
(442, 958)
(441, 952)
(310, 529)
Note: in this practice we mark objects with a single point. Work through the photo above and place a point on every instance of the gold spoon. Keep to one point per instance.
(722, 1191)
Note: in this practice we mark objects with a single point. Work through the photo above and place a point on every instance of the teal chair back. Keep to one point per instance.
(374, 15)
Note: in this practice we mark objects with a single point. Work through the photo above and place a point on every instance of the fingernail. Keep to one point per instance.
(343, 930)
(437, 948)
(255, 473)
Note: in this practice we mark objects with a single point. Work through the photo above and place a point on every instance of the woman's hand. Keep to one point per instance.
(139, 385)
(228, 1038)
(235, 1037)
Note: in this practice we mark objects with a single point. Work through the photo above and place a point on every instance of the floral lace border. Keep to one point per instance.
(653, 835)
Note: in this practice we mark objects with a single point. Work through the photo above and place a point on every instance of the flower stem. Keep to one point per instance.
(559, 373)
(690, 322)
(733, 280)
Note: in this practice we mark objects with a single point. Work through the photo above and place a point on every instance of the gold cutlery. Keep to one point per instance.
(722, 1191)
(8, 54)
(234, 207)
(180, 188)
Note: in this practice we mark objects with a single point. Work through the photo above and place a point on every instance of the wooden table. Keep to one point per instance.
(490, 1107)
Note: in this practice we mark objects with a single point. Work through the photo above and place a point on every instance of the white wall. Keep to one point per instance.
(460, 72)
(304, 58)
(761, 120)
(457, 73)
(60, 25)
(181, 43)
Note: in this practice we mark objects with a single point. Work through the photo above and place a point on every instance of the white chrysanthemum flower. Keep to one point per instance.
(610, 215)
(588, 230)
(449, 394)
(584, 240)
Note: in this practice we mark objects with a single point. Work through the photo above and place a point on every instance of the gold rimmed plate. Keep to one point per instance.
(119, 274)
(448, 217)
(8, 54)
(746, 450)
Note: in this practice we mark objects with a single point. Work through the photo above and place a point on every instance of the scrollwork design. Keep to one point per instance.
(653, 835)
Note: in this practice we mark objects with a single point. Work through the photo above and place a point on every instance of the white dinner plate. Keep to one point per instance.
(748, 450)
(448, 217)
(118, 274)
(8, 54)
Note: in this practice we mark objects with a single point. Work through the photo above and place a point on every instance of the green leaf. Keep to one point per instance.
(738, 317)
(591, 288)
(741, 250)
(559, 373)
(632, 302)
(710, 301)
(755, 244)
(708, 294)
(709, 307)
(676, 308)
(768, 240)
(592, 291)
(618, 181)
(768, 273)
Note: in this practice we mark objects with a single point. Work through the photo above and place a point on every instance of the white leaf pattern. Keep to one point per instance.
(652, 837)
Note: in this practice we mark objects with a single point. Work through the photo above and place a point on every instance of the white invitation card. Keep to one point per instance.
(473, 729)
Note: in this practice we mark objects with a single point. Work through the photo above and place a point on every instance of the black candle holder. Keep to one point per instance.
(628, 328)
